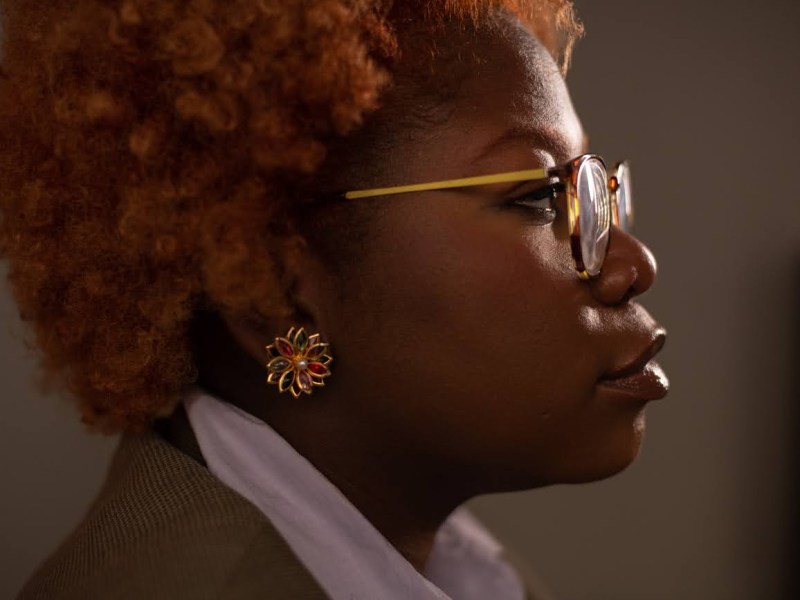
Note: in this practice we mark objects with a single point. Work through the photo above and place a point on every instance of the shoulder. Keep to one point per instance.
(163, 526)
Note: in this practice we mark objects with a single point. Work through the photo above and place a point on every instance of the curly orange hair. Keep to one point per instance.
(146, 151)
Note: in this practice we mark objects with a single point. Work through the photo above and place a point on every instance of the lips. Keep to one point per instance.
(641, 378)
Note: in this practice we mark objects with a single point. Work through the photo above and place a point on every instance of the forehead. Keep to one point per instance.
(514, 95)
(464, 102)
(500, 90)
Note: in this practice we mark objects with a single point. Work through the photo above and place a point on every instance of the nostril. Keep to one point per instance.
(618, 284)
(628, 295)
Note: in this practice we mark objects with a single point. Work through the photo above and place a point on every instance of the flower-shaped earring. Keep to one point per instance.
(298, 362)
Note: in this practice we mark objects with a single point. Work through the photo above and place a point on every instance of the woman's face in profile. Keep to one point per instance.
(464, 334)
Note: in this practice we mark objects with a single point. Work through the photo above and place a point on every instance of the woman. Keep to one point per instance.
(269, 243)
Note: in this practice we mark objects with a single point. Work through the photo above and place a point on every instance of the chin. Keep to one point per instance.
(602, 454)
(616, 454)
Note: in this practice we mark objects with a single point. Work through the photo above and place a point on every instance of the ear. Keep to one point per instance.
(307, 283)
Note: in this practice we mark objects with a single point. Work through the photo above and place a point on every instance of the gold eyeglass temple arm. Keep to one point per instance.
(531, 174)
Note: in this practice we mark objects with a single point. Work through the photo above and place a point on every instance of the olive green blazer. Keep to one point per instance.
(163, 527)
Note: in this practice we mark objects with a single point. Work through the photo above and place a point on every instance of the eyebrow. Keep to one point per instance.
(555, 144)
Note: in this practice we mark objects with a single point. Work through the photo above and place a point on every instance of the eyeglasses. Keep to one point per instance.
(595, 201)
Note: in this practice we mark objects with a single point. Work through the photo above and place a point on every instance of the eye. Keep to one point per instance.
(540, 202)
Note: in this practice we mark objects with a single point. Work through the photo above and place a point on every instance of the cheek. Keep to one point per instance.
(484, 356)
(514, 310)
(502, 304)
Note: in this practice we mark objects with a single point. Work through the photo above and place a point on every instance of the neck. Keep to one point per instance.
(404, 496)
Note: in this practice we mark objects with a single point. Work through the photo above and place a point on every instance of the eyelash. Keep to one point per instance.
(548, 192)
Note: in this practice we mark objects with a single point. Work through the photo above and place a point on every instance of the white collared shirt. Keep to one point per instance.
(349, 558)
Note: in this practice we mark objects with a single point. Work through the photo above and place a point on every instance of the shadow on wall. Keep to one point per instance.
(793, 549)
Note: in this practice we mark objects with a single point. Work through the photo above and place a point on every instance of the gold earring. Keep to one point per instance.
(298, 362)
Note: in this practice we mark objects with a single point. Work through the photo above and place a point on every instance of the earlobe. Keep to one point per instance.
(303, 299)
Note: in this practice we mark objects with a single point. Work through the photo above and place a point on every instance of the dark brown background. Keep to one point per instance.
(703, 97)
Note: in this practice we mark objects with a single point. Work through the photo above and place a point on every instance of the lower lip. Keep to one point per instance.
(650, 383)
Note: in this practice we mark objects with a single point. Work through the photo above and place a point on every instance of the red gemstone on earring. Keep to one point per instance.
(285, 349)
(317, 368)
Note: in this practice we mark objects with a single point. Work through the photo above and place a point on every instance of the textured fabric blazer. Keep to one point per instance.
(163, 527)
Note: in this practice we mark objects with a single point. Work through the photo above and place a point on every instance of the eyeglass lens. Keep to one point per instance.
(595, 213)
(624, 196)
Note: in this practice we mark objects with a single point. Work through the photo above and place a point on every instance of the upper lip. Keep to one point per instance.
(638, 364)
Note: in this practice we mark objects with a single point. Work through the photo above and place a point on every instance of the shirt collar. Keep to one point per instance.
(343, 551)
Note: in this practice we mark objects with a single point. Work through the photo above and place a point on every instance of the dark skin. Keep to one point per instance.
(467, 351)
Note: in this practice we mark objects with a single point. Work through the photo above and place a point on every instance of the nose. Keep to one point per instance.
(629, 269)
